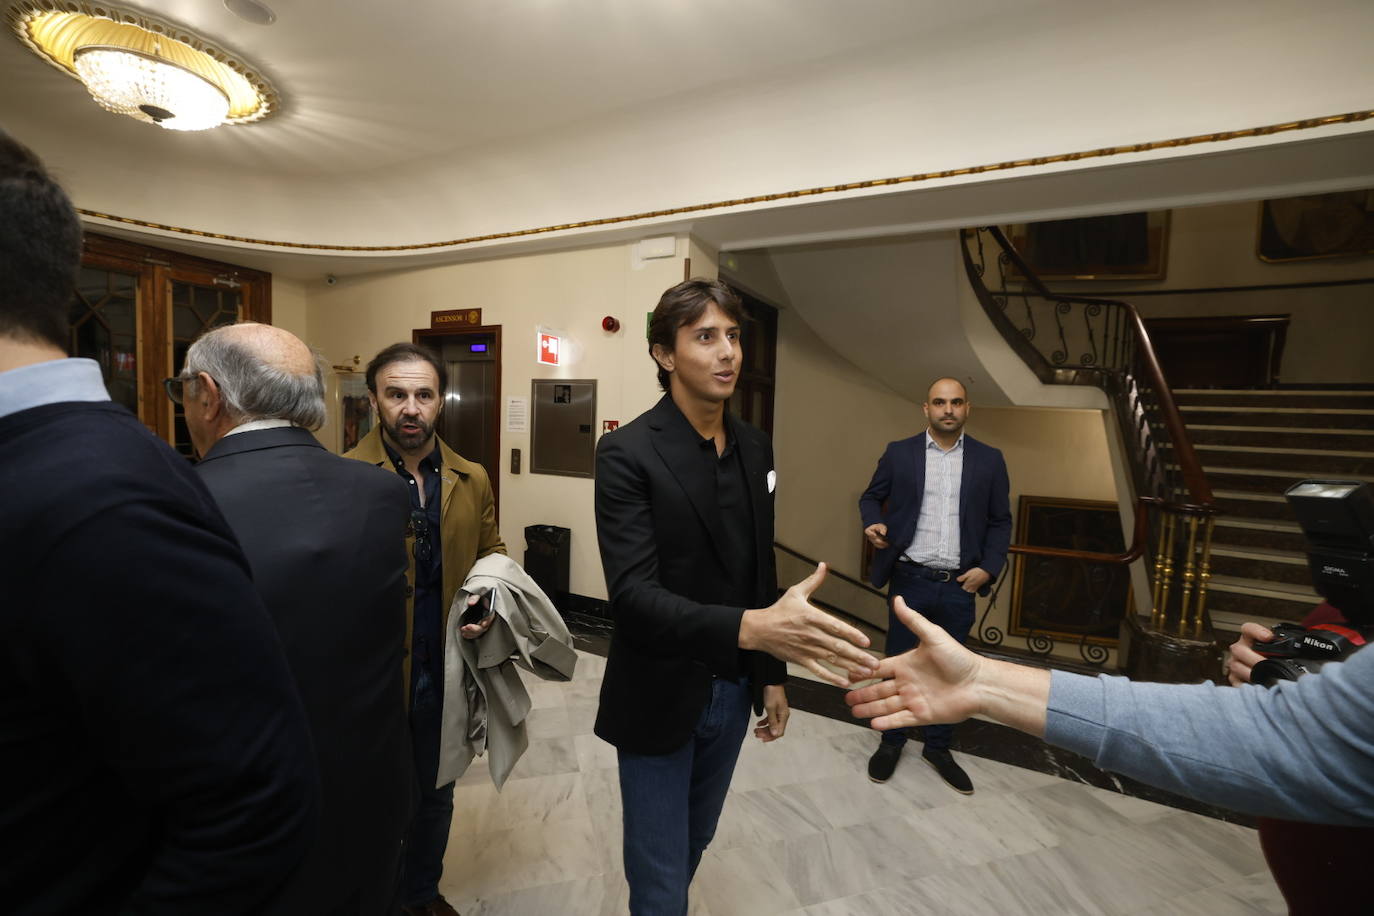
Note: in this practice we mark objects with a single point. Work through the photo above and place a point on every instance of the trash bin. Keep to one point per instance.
(548, 549)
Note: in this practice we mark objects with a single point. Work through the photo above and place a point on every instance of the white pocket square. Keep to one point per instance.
(772, 481)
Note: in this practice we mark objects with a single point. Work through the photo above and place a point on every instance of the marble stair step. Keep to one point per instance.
(1255, 599)
(1264, 533)
(1309, 462)
(1260, 563)
(1260, 480)
(1278, 417)
(1329, 438)
(1253, 505)
(1275, 398)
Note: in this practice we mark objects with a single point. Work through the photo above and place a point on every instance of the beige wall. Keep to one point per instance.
(1331, 334)
(290, 306)
(570, 291)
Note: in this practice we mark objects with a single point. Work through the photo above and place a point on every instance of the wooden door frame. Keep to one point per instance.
(156, 269)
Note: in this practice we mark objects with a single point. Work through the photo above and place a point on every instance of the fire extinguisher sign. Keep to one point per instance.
(550, 349)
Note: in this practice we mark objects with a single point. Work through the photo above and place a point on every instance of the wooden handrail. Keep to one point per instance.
(1189, 465)
(829, 571)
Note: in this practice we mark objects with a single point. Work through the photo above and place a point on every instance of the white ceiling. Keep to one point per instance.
(370, 85)
(421, 121)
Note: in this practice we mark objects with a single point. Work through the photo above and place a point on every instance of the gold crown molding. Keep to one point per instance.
(1349, 118)
(54, 29)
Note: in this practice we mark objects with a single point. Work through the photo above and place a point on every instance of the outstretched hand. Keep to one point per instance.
(794, 630)
(935, 683)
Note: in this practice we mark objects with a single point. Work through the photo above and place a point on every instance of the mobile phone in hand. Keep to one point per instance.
(477, 612)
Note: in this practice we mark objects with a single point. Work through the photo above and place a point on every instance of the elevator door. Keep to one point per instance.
(466, 423)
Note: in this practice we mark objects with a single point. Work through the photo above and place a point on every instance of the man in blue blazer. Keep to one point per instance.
(938, 513)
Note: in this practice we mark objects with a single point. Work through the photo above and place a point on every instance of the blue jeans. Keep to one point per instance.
(422, 862)
(672, 802)
(945, 604)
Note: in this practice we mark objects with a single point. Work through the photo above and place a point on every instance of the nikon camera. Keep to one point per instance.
(1337, 519)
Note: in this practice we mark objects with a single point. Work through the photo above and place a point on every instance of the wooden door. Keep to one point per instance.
(136, 309)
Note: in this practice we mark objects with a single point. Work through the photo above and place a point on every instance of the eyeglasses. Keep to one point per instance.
(175, 388)
(419, 524)
(176, 385)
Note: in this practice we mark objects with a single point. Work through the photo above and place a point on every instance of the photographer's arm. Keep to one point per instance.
(1303, 750)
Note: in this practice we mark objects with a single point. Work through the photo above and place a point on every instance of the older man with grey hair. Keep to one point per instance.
(326, 541)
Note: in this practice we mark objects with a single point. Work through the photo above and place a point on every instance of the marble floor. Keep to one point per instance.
(805, 832)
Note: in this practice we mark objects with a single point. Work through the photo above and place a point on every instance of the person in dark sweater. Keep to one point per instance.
(156, 755)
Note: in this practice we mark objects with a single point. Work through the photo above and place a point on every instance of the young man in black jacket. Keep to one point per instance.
(684, 517)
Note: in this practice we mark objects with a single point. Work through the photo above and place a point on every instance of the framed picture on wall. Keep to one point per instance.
(355, 410)
(1123, 246)
(1339, 225)
(1072, 599)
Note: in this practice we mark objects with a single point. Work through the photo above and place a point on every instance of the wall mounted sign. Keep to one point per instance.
(517, 415)
(455, 318)
(550, 349)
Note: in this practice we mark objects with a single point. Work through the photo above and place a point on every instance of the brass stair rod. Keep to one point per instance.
(1161, 551)
(1204, 575)
(1189, 576)
(1168, 574)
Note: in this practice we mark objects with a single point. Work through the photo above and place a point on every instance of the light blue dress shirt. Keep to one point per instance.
(936, 543)
(51, 382)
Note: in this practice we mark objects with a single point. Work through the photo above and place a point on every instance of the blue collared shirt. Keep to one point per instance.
(936, 543)
(53, 382)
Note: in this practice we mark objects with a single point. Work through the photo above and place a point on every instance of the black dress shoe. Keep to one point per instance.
(884, 761)
(953, 774)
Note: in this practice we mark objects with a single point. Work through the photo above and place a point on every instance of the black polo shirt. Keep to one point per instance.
(737, 521)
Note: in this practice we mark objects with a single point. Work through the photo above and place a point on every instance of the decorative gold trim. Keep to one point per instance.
(56, 30)
(1307, 124)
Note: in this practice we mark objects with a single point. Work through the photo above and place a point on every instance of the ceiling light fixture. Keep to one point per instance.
(147, 68)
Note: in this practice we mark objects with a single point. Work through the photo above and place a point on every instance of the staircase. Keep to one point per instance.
(1253, 445)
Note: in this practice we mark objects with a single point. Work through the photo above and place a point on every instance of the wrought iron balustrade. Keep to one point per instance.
(1077, 340)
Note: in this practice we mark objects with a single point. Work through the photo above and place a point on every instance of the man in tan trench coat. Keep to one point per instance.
(453, 524)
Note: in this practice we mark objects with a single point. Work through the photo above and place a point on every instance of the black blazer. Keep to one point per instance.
(325, 538)
(984, 506)
(657, 523)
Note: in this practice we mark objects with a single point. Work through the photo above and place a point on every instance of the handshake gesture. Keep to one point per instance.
(794, 630)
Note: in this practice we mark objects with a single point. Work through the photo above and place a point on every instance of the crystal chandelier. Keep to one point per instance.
(144, 67)
(149, 89)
